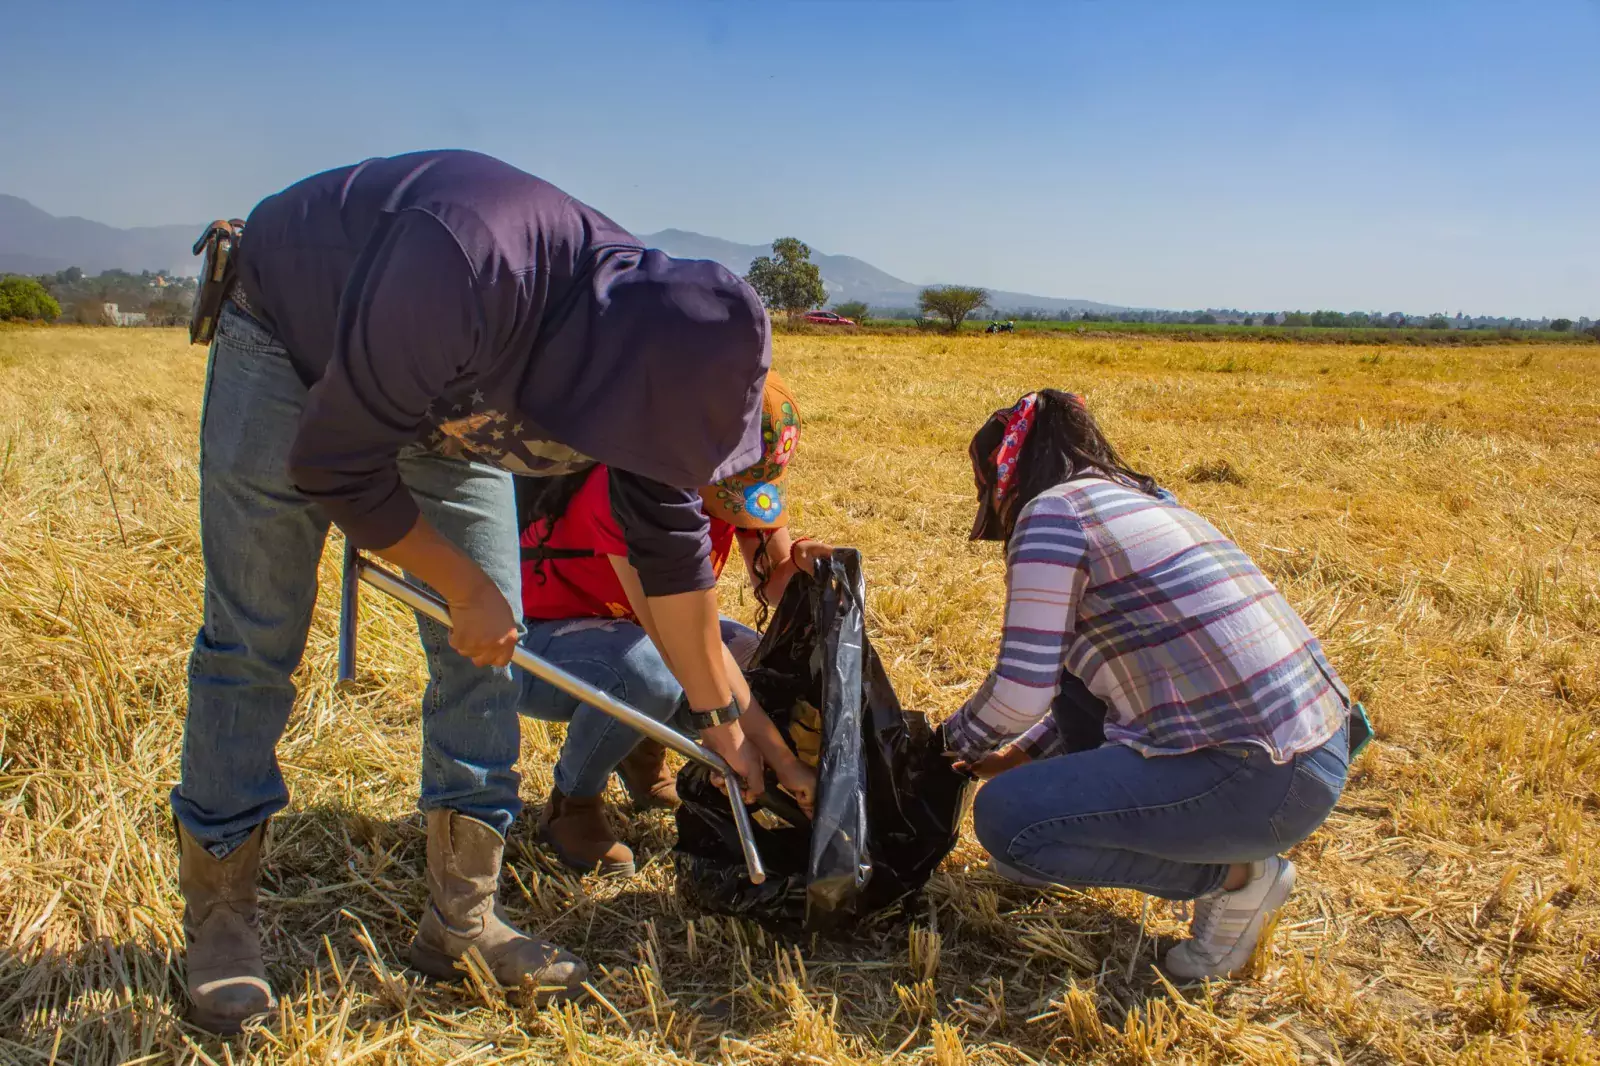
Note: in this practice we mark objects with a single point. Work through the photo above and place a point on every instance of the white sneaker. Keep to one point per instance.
(1227, 925)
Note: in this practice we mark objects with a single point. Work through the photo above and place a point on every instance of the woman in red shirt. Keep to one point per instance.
(585, 611)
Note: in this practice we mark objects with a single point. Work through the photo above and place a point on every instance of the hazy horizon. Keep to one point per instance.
(1436, 158)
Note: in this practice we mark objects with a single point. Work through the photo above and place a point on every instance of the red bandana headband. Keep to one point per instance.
(1019, 423)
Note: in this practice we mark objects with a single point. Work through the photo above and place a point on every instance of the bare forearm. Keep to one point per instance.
(736, 680)
(757, 726)
(690, 637)
(483, 626)
(765, 736)
(445, 568)
(687, 630)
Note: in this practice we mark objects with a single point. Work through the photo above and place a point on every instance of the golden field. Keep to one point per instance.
(1433, 513)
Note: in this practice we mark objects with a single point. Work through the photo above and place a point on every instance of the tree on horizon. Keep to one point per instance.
(787, 280)
(953, 303)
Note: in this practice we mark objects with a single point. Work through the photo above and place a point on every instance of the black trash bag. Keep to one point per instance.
(888, 802)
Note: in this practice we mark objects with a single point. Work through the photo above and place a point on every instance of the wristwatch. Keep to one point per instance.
(704, 720)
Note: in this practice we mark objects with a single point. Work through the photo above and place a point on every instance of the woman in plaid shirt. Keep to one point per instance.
(1204, 731)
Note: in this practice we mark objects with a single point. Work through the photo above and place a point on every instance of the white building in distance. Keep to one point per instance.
(123, 318)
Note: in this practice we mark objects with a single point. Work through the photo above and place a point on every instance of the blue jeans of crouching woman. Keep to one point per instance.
(1168, 825)
(618, 657)
(261, 542)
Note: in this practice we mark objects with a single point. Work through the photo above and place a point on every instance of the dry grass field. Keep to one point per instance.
(1434, 514)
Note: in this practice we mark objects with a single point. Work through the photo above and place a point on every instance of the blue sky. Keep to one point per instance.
(1396, 155)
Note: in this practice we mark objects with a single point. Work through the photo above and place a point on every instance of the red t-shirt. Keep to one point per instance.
(588, 587)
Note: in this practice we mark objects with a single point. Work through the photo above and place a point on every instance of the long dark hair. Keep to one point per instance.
(541, 501)
(1064, 443)
(761, 571)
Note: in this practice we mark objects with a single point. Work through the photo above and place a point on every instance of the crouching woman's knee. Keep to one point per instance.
(657, 695)
(1001, 812)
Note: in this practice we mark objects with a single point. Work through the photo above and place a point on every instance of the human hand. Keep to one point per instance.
(800, 781)
(743, 756)
(805, 554)
(996, 762)
(482, 627)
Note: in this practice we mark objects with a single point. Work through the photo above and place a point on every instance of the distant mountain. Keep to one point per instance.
(845, 276)
(36, 242)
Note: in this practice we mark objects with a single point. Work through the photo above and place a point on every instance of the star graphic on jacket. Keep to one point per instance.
(517, 428)
(477, 396)
(498, 435)
(456, 409)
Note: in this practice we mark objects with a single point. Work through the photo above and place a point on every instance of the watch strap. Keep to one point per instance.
(711, 719)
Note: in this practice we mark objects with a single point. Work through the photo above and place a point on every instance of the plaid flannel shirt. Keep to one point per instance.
(1163, 618)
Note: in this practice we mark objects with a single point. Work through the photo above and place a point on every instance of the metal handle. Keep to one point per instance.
(360, 569)
(349, 604)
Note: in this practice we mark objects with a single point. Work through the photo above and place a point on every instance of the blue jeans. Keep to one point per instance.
(261, 542)
(1168, 825)
(619, 658)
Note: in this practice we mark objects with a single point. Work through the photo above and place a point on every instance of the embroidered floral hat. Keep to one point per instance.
(753, 498)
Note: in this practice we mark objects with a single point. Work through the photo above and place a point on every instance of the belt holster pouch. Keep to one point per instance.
(218, 245)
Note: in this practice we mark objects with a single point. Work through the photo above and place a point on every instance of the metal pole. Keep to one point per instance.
(426, 603)
(349, 604)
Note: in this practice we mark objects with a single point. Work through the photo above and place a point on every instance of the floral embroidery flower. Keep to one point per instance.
(764, 501)
(753, 497)
(786, 440)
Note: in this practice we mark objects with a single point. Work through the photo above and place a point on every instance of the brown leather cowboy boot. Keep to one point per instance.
(644, 774)
(226, 977)
(464, 857)
(576, 829)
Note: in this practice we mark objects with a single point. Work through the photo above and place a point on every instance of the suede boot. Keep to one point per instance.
(227, 979)
(576, 829)
(464, 858)
(645, 775)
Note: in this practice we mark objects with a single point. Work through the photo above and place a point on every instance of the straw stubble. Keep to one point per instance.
(1431, 512)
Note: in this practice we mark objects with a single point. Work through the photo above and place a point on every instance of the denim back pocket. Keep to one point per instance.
(1318, 780)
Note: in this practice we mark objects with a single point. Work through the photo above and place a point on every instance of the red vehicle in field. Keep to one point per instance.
(828, 318)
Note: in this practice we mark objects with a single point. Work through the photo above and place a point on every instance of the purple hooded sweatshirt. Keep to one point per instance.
(450, 299)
